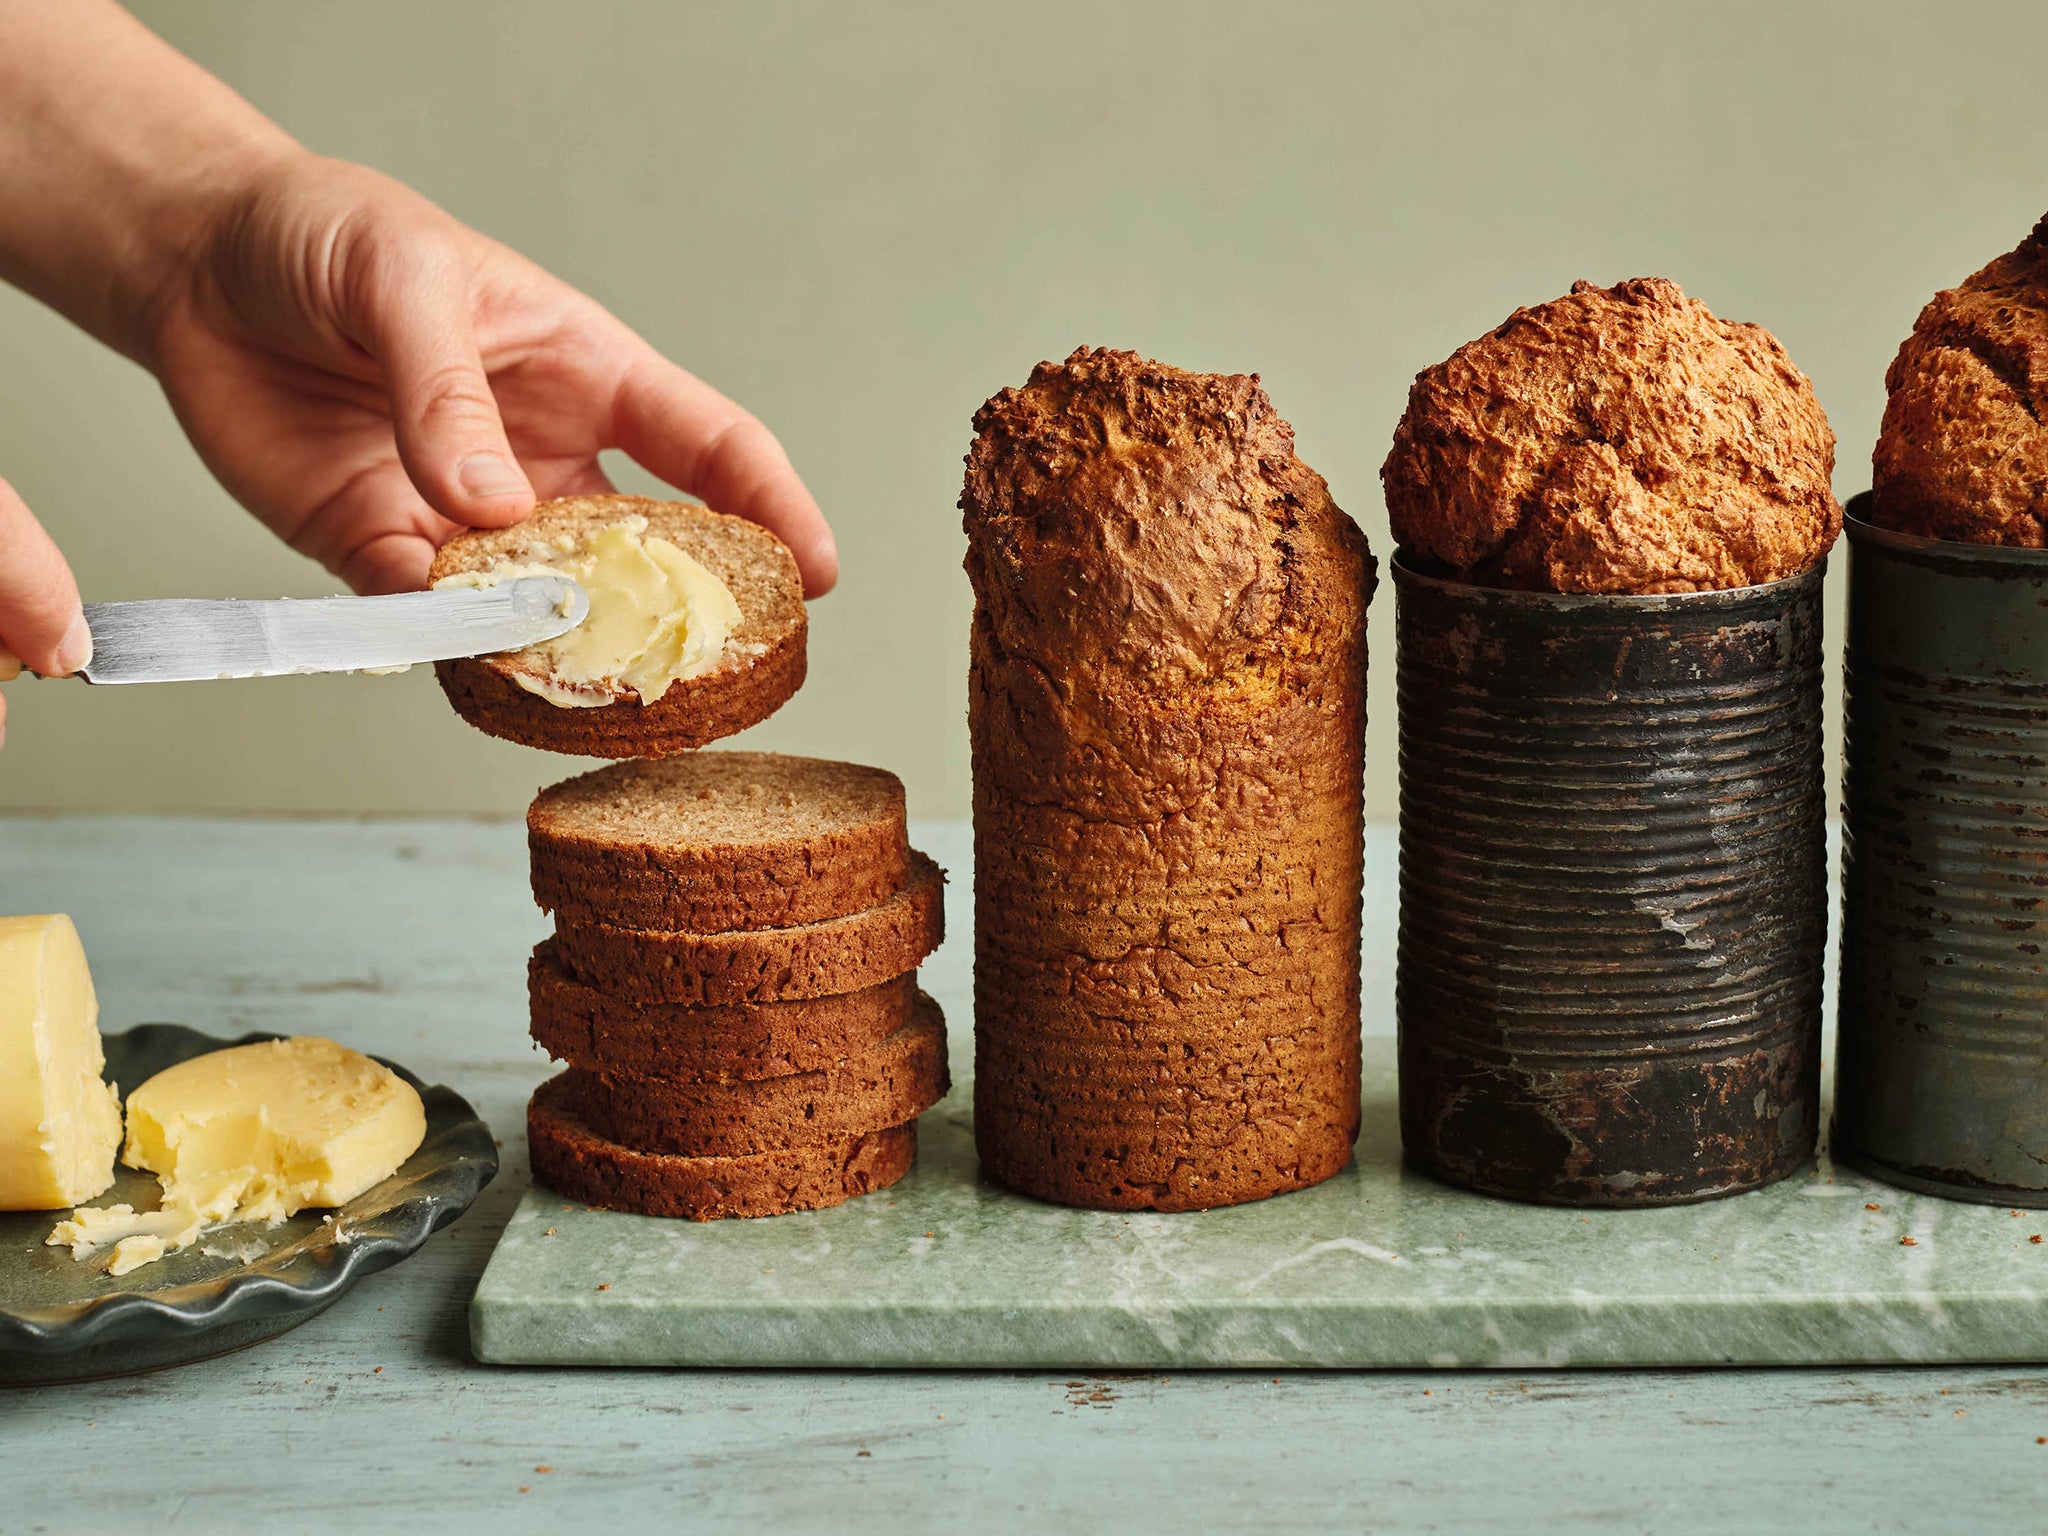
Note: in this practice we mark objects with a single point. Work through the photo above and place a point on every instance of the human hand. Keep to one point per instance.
(368, 375)
(41, 625)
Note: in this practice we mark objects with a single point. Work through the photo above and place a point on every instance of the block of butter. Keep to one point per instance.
(253, 1133)
(60, 1125)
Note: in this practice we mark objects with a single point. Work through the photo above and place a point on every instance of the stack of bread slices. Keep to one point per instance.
(733, 975)
(732, 984)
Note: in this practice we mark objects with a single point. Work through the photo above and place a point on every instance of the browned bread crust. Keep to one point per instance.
(763, 965)
(586, 1028)
(1167, 704)
(1107, 1062)
(571, 1159)
(1963, 452)
(887, 1084)
(764, 660)
(714, 841)
(1615, 440)
(1081, 1153)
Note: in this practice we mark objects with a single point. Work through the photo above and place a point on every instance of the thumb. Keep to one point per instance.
(450, 436)
(40, 619)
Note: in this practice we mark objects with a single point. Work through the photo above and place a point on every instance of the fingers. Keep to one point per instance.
(389, 562)
(585, 479)
(375, 532)
(417, 316)
(393, 558)
(683, 430)
(392, 553)
(40, 619)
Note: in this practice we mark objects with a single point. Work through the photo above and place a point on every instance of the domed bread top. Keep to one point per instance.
(1963, 453)
(1615, 440)
(1125, 515)
(706, 612)
(712, 841)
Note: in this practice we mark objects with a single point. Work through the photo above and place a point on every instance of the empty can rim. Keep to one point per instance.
(1406, 574)
(1950, 554)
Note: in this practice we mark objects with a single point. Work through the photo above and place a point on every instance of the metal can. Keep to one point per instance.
(1941, 1073)
(1613, 888)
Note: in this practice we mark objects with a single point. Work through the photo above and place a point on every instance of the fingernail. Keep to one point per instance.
(488, 474)
(74, 652)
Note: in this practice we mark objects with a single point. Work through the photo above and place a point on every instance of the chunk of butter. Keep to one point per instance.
(657, 616)
(60, 1125)
(253, 1133)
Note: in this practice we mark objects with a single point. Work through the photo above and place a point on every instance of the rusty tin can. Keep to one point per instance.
(1941, 1073)
(1613, 889)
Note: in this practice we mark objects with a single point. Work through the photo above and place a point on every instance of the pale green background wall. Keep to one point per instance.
(861, 220)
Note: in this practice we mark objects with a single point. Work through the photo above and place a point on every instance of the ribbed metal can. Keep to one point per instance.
(1613, 888)
(1941, 1073)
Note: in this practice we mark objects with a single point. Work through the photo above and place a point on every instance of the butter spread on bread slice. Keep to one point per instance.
(697, 628)
(657, 616)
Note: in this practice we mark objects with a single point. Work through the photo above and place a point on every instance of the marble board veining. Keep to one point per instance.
(1378, 1267)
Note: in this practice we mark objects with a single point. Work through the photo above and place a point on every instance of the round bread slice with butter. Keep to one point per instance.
(696, 628)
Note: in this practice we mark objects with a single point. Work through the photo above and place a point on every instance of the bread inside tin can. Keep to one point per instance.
(1613, 888)
(1941, 1077)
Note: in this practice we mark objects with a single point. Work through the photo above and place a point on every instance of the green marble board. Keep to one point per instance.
(1378, 1267)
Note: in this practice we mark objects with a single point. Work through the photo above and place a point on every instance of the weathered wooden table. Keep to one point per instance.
(408, 939)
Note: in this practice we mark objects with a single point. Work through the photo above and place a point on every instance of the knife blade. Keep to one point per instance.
(181, 640)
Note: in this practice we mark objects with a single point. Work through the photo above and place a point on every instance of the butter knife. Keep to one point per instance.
(182, 640)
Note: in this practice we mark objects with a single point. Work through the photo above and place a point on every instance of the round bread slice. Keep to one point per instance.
(762, 664)
(888, 1084)
(572, 1160)
(762, 965)
(714, 841)
(583, 1027)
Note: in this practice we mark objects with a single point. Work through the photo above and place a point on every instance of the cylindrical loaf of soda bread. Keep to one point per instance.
(1167, 704)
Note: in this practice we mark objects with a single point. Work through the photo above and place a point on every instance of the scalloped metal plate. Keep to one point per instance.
(62, 1319)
